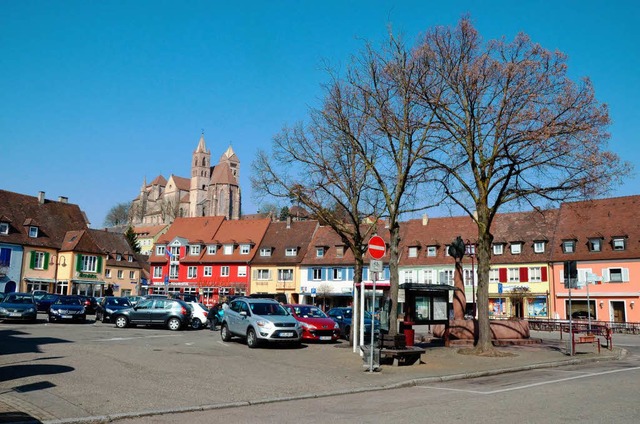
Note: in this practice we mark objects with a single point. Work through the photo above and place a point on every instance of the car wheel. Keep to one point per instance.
(173, 324)
(252, 339)
(196, 324)
(347, 333)
(224, 333)
(51, 319)
(121, 322)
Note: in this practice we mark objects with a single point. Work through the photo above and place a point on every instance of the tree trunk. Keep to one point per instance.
(394, 235)
(485, 240)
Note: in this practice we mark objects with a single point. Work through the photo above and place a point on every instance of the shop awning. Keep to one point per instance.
(88, 282)
(379, 284)
(427, 287)
(40, 280)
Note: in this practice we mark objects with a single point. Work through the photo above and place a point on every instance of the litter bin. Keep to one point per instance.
(409, 333)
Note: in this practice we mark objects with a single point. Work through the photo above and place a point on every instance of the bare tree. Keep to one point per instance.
(323, 290)
(513, 129)
(118, 215)
(169, 209)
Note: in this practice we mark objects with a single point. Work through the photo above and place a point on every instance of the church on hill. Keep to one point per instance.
(211, 190)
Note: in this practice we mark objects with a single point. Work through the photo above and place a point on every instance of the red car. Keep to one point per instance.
(316, 325)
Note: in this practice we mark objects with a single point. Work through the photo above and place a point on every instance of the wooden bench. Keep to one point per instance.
(582, 338)
(408, 356)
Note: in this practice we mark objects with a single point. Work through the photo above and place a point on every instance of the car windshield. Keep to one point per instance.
(120, 301)
(267, 309)
(19, 298)
(348, 313)
(69, 301)
(50, 297)
(309, 312)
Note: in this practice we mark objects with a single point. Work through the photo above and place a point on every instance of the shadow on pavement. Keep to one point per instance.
(12, 343)
(12, 372)
(17, 417)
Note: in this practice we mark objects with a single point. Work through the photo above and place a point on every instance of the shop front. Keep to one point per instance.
(93, 288)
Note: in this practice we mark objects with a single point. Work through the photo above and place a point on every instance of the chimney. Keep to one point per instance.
(425, 219)
(288, 221)
(63, 199)
(41, 197)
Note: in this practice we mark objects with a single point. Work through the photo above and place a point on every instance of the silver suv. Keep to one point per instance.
(259, 320)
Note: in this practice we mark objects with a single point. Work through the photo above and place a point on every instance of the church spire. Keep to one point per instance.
(202, 147)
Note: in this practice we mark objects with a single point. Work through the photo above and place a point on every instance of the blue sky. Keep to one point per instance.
(97, 95)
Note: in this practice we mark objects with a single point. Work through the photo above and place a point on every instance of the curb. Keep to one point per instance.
(99, 419)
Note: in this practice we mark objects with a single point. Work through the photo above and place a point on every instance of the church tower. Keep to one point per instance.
(200, 179)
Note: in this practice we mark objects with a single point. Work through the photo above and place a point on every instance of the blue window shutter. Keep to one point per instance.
(310, 274)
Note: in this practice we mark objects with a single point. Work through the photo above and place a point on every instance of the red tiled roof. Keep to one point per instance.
(222, 174)
(280, 236)
(159, 180)
(238, 232)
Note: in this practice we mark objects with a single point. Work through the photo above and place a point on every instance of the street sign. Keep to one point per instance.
(313, 292)
(377, 247)
(375, 266)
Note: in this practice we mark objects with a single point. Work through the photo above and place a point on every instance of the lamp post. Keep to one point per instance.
(58, 261)
(470, 250)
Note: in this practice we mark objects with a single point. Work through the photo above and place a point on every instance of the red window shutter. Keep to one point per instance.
(502, 273)
(543, 273)
(524, 274)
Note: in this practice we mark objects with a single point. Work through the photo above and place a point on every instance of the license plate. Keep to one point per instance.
(286, 334)
(15, 314)
(67, 316)
(325, 337)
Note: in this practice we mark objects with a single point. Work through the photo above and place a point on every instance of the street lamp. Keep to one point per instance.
(57, 261)
(470, 250)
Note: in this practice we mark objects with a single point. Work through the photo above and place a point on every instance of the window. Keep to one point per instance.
(498, 249)
(408, 276)
(118, 257)
(194, 250)
(5, 256)
(228, 249)
(39, 260)
(513, 275)
(130, 258)
(173, 271)
(192, 272)
(516, 248)
(535, 274)
(120, 274)
(291, 251)
(89, 263)
(494, 275)
(285, 274)
(468, 277)
(107, 273)
(263, 274)
(337, 273)
(33, 231)
(538, 247)
(339, 251)
(413, 252)
(211, 250)
(319, 252)
(317, 274)
(245, 249)
(242, 271)
(619, 243)
(595, 245)
(569, 246)
(160, 250)
(208, 271)
(615, 275)
(432, 251)
(4, 228)
(224, 271)
(265, 251)
(446, 277)
(157, 272)
(428, 276)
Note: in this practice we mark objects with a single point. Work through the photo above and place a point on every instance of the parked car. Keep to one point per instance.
(343, 316)
(258, 320)
(172, 313)
(90, 304)
(186, 297)
(109, 305)
(71, 308)
(45, 302)
(39, 294)
(316, 325)
(199, 314)
(18, 307)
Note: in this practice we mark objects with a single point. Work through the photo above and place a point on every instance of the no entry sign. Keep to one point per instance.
(377, 247)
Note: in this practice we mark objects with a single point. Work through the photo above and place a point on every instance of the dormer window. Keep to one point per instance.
(619, 243)
(319, 252)
(265, 251)
(4, 228)
(432, 251)
(118, 257)
(516, 248)
(160, 250)
(595, 245)
(538, 246)
(228, 249)
(339, 251)
(245, 249)
(194, 249)
(569, 246)
(291, 251)
(130, 258)
(212, 249)
(498, 249)
(33, 231)
(413, 252)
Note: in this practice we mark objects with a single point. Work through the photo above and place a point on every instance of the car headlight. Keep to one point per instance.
(264, 323)
(307, 326)
(3, 310)
(336, 326)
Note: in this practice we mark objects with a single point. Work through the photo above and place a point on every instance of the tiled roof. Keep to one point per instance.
(192, 229)
(54, 219)
(222, 174)
(82, 242)
(159, 180)
(114, 244)
(182, 183)
(238, 232)
(281, 236)
(525, 228)
(148, 230)
(603, 219)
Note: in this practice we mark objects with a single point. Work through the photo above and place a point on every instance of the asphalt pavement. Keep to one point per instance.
(312, 372)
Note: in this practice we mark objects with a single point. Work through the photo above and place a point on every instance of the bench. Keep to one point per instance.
(582, 338)
(409, 355)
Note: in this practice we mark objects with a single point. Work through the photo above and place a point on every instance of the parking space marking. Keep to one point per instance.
(117, 339)
(528, 386)
(221, 343)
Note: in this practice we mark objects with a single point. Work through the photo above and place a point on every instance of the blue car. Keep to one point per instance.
(343, 316)
(68, 308)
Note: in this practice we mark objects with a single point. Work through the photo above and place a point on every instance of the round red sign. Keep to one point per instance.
(377, 247)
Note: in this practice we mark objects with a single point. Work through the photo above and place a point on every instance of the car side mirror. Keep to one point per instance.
(339, 317)
(243, 313)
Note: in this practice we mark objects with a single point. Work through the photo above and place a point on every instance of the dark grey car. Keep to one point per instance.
(171, 313)
(18, 307)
